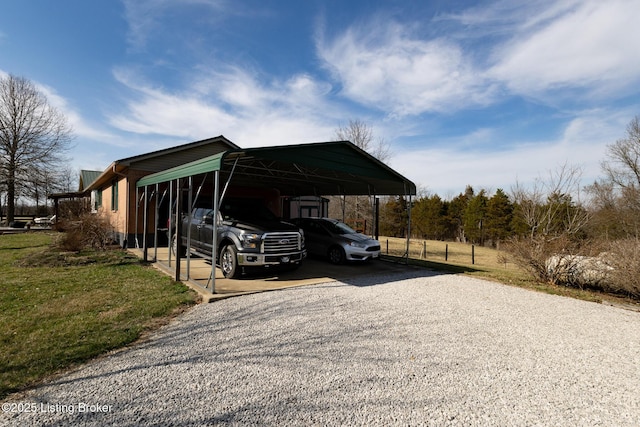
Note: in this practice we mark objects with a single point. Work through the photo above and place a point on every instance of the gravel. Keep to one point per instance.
(420, 348)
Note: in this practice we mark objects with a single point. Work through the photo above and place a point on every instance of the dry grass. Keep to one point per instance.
(490, 264)
(456, 253)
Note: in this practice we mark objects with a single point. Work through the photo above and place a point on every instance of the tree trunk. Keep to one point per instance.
(11, 200)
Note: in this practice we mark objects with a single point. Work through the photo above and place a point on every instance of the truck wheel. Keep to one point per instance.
(336, 255)
(181, 249)
(229, 262)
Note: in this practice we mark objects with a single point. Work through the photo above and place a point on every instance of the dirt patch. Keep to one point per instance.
(52, 257)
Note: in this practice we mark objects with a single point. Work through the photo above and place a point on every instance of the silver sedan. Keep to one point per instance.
(337, 241)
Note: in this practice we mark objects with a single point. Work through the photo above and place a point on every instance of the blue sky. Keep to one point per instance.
(485, 93)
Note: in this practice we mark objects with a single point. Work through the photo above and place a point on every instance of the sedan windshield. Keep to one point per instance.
(338, 227)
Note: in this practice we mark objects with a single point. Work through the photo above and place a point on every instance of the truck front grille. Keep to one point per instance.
(281, 242)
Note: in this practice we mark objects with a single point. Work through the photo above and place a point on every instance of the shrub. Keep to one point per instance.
(607, 266)
(625, 260)
(556, 260)
(580, 271)
(87, 231)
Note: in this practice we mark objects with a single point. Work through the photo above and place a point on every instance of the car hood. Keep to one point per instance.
(358, 237)
(262, 226)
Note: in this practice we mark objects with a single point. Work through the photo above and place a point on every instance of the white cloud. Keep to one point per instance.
(81, 128)
(594, 46)
(447, 171)
(382, 66)
(233, 103)
(548, 50)
(155, 112)
(85, 132)
(146, 17)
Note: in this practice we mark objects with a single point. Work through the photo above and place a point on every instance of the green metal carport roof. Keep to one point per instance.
(324, 168)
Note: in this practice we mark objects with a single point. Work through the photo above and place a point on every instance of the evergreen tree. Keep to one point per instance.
(474, 217)
(393, 217)
(455, 214)
(499, 214)
(428, 218)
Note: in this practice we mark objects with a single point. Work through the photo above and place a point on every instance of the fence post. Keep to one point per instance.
(424, 249)
(446, 252)
(387, 246)
(473, 254)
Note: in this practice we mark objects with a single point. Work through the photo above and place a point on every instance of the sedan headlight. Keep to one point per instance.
(251, 240)
(357, 245)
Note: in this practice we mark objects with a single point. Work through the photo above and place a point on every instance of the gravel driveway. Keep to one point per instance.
(414, 349)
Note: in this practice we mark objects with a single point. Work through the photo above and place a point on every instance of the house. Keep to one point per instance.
(79, 197)
(143, 195)
(113, 191)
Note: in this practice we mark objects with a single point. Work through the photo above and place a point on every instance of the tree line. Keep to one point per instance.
(468, 217)
(554, 205)
(590, 234)
(475, 217)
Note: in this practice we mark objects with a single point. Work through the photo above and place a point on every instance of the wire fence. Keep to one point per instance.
(439, 251)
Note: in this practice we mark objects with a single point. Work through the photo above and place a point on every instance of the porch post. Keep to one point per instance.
(178, 228)
(189, 216)
(408, 229)
(145, 225)
(171, 224)
(157, 223)
(214, 240)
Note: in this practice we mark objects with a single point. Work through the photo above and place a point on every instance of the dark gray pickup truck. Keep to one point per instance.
(249, 235)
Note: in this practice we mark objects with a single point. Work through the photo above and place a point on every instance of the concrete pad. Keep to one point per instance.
(312, 271)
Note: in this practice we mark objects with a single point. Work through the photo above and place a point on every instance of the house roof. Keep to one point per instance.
(325, 168)
(87, 177)
(163, 159)
(175, 150)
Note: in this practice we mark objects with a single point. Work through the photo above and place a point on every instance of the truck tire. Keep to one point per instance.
(229, 262)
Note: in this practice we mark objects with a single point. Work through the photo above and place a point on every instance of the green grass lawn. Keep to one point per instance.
(59, 309)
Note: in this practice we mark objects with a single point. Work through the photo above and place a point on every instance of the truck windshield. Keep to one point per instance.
(245, 209)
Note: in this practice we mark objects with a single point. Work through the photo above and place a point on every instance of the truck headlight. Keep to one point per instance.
(251, 240)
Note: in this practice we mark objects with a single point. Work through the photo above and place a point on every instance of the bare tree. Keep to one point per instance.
(361, 135)
(33, 136)
(549, 207)
(556, 221)
(42, 182)
(622, 166)
(619, 192)
(616, 199)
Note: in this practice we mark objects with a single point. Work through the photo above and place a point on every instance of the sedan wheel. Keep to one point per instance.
(336, 255)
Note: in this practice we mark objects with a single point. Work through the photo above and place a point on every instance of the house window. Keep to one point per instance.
(96, 200)
(114, 196)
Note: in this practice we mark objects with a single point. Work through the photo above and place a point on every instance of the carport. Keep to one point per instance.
(316, 169)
